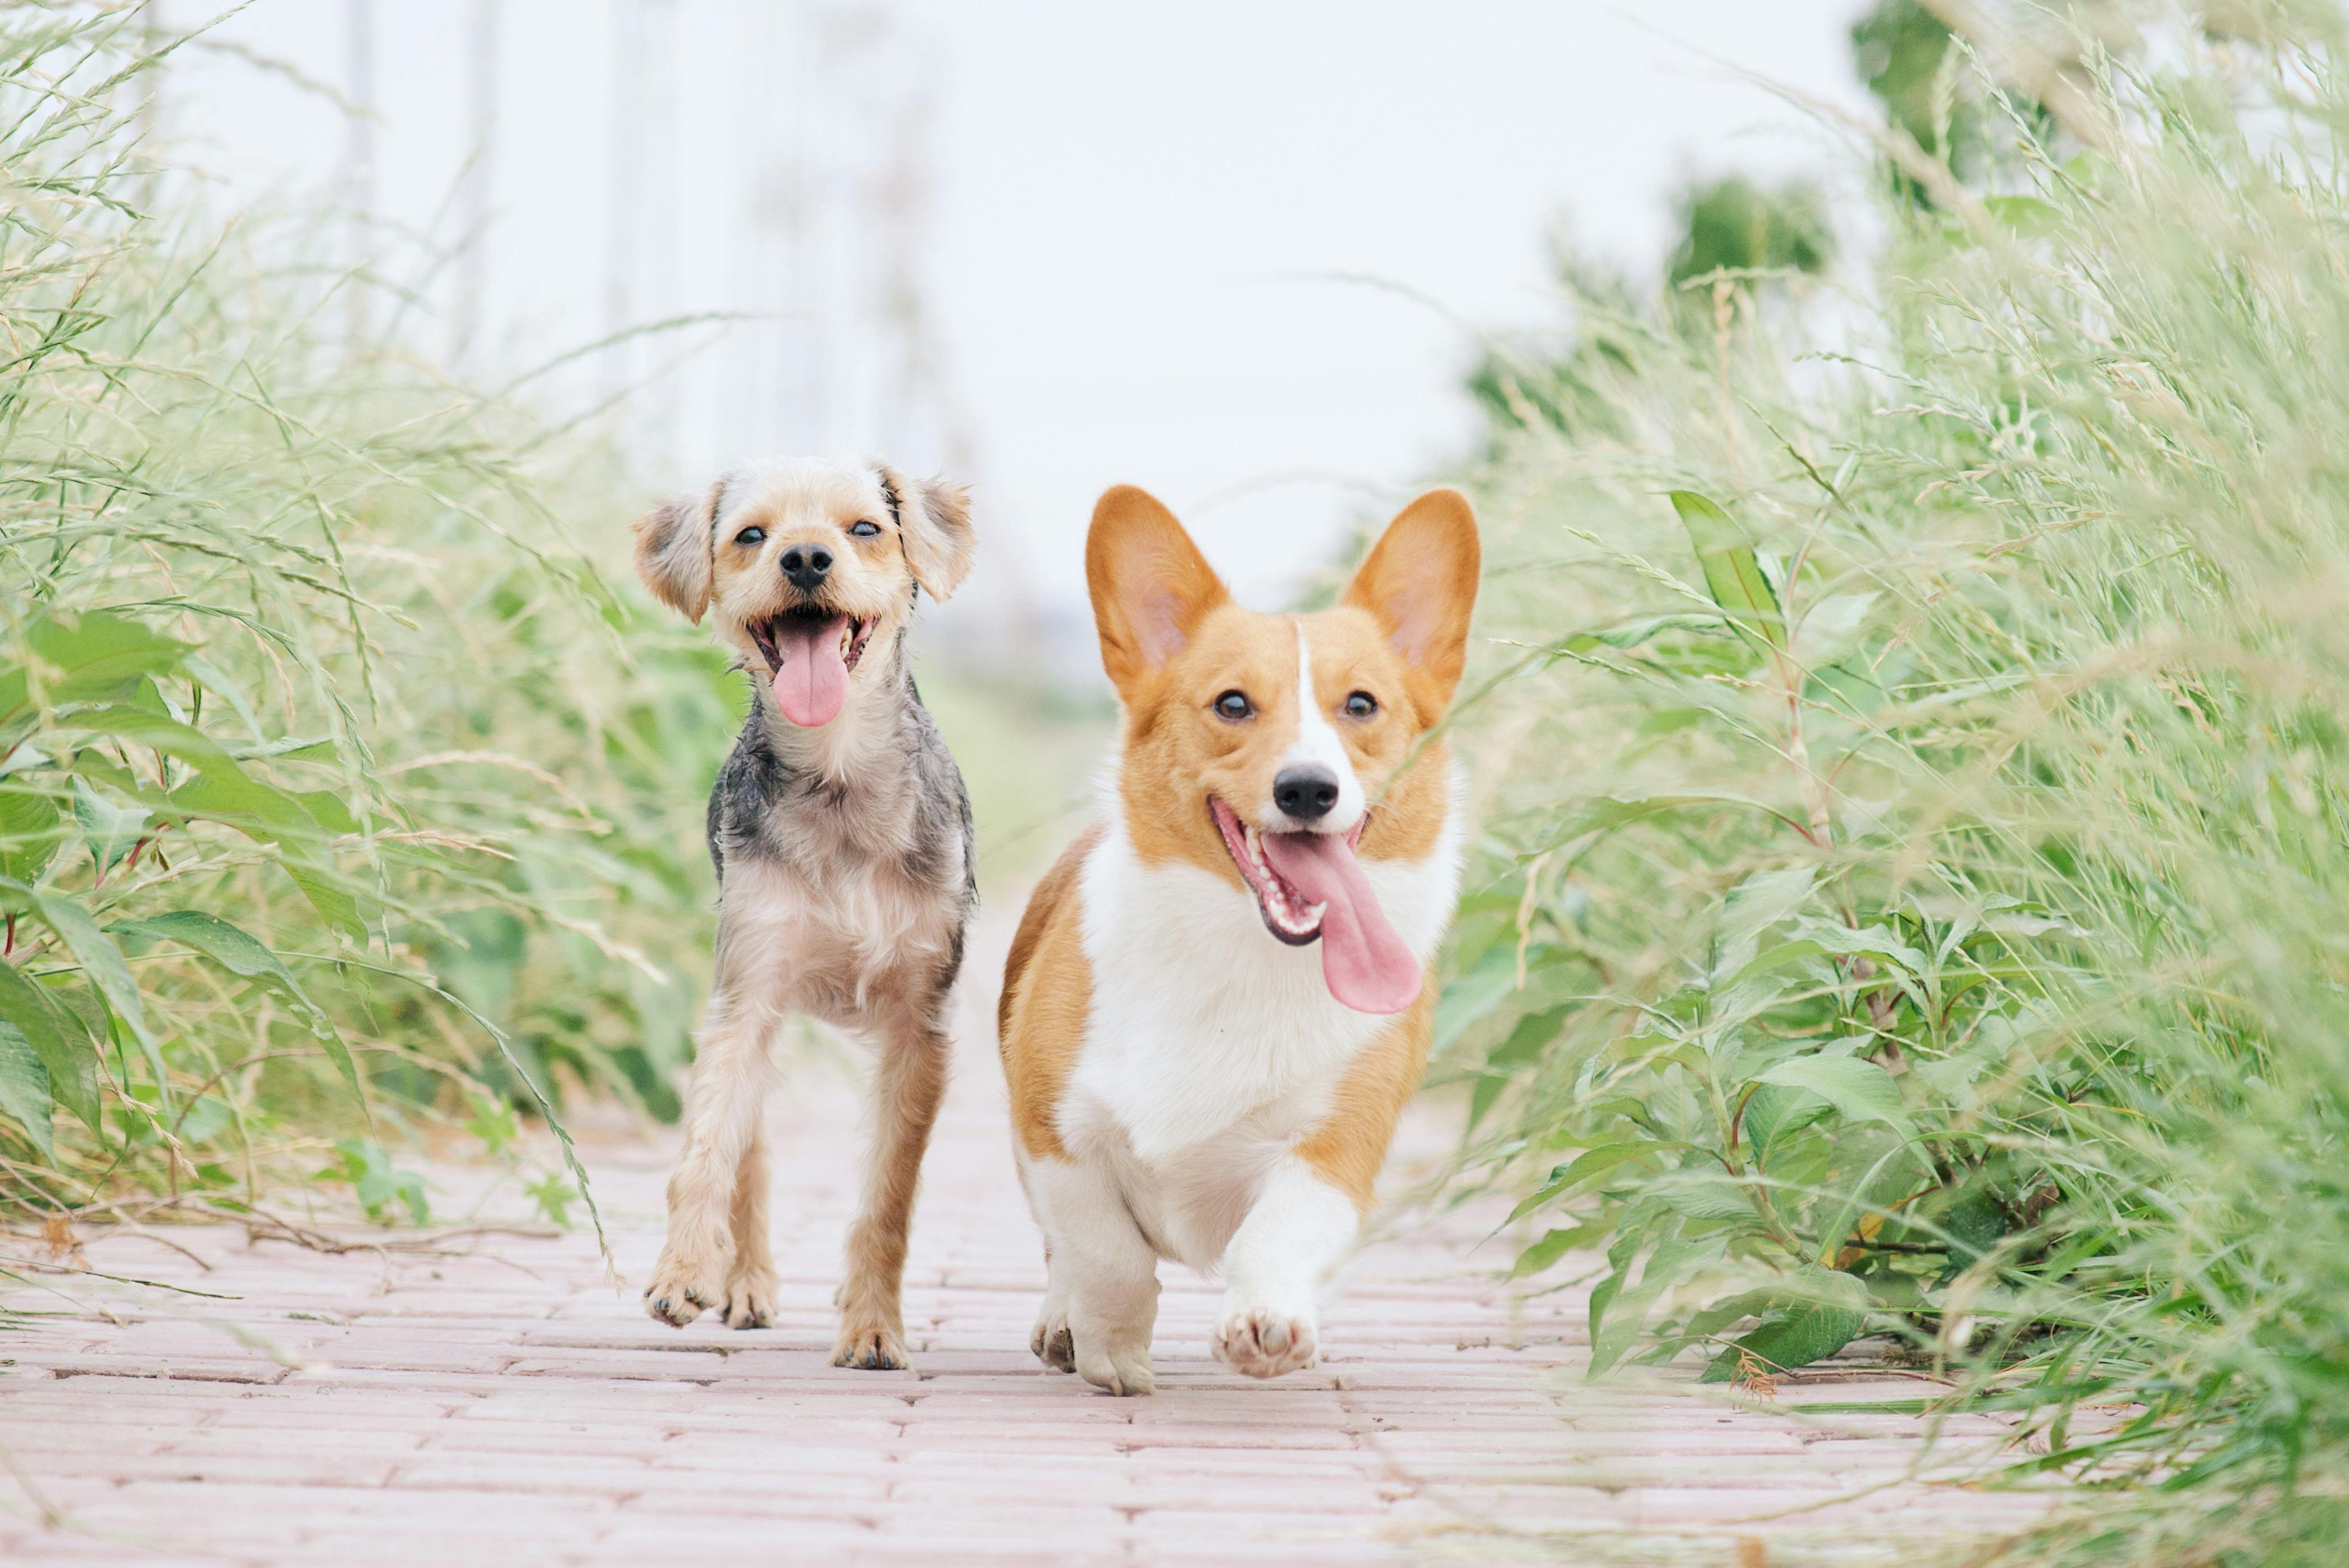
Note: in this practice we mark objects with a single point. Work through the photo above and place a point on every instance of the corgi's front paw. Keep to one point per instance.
(1114, 1364)
(683, 1287)
(1263, 1342)
(1051, 1343)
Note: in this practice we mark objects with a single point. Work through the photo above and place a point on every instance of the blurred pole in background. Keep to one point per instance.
(358, 160)
(657, 219)
(471, 315)
(625, 118)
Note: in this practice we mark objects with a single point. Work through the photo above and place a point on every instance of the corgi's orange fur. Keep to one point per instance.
(1215, 1006)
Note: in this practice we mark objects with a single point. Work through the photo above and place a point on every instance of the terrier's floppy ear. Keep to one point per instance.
(933, 521)
(1151, 587)
(675, 543)
(1420, 582)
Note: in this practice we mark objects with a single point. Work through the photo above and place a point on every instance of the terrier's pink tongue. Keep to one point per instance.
(813, 681)
(1364, 961)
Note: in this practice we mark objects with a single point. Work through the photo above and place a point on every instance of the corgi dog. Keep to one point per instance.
(1217, 1004)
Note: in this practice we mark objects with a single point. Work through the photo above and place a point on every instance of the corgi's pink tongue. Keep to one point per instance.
(1364, 961)
(813, 681)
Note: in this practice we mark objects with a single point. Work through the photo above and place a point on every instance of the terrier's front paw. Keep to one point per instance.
(870, 1348)
(682, 1287)
(751, 1299)
(1051, 1343)
(1263, 1343)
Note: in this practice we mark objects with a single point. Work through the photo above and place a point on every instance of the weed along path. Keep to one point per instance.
(494, 1398)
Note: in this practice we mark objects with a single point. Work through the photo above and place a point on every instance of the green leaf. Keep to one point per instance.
(1626, 1314)
(222, 788)
(29, 840)
(1827, 1317)
(1775, 1112)
(1554, 1246)
(57, 1037)
(1701, 1194)
(1862, 1090)
(111, 831)
(101, 962)
(25, 1088)
(240, 953)
(1585, 1166)
(1473, 995)
(1733, 574)
(87, 656)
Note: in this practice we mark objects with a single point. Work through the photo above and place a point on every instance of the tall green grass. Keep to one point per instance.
(1915, 892)
(334, 801)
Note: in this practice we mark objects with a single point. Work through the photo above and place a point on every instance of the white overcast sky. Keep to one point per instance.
(1232, 249)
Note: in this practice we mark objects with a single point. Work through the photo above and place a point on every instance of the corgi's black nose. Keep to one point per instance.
(1305, 793)
(805, 565)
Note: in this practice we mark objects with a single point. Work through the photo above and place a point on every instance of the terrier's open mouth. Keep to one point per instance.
(848, 633)
(810, 654)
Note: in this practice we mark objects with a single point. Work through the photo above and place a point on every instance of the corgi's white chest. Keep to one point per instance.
(1202, 1020)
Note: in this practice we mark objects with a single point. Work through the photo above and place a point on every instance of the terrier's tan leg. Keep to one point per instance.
(723, 1104)
(908, 1084)
(750, 1284)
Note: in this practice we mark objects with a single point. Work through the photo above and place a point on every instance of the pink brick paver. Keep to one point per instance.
(499, 1400)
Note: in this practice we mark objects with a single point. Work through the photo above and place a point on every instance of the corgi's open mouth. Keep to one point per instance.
(809, 655)
(1309, 887)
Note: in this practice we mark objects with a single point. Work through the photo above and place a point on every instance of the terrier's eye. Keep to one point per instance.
(753, 535)
(865, 528)
(1234, 704)
(1360, 705)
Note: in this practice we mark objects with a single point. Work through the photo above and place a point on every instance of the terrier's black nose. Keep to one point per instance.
(805, 565)
(1305, 793)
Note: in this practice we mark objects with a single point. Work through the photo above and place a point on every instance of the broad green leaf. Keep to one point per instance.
(1775, 1112)
(1862, 1090)
(1828, 626)
(1589, 1165)
(1701, 1194)
(1733, 574)
(1554, 1246)
(240, 953)
(29, 839)
(57, 1037)
(1473, 995)
(1626, 1314)
(1825, 1318)
(89, 656)
(221, 787)
(25, 1088)
(111, 831)
(101, 962)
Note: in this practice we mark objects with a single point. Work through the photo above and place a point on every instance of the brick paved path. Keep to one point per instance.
(497, 1401)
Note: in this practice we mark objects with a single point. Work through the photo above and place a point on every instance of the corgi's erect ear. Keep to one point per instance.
(1420, 582)
(675, 543)
(933, 521)
(1151, 587)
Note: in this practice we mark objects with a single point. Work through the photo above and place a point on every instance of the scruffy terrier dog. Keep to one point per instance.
(843, 840)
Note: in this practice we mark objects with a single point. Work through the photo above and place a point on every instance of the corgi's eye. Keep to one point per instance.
(1234, 704)
(1360, 705)
(751, 536)
(865, 528)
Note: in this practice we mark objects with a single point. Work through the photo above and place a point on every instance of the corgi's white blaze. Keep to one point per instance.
(1317, 742)
(1212, 1048)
